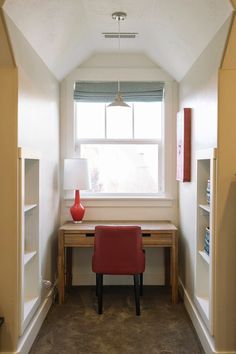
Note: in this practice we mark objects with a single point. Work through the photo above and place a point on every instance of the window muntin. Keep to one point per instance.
(124, 149)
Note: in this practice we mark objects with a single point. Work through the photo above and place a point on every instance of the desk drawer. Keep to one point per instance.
(82, 240)
(78, 240)
(158, 240)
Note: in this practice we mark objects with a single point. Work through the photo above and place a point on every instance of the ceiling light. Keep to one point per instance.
(118, 101)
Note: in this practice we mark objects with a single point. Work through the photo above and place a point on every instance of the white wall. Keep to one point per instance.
(132, 68)
(38, 128)
(199, 91)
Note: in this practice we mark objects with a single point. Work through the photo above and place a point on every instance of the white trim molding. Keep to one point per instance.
(205, 338)
(93, 202)
(29, 335)
(123, 209)
(27, 339)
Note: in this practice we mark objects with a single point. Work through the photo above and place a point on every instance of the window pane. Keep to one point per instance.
(147, 120)
(122, 168)
(90, 120)
(119, 122)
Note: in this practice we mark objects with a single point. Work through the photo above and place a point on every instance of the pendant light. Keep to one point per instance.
(118, 101)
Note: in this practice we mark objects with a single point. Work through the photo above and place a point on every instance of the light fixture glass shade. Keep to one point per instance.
(76, 174)
(118, 102)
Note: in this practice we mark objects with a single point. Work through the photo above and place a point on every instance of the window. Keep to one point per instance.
(123, 146)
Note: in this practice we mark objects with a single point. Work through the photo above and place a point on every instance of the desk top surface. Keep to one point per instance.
(146, 226)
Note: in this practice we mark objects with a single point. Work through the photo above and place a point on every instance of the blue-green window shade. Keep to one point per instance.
(88, 91)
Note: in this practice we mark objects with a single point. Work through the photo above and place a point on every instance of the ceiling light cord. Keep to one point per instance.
(118, 101)
(119, 56)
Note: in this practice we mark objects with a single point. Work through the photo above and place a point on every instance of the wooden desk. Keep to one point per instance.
(155, 234)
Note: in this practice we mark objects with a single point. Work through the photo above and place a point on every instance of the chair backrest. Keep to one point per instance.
(118, 250)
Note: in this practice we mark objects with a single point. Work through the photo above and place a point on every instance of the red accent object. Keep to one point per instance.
(77, 210)
(183, 149)
(118, 250)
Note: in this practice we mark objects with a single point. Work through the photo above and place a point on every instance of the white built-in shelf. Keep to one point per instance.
(29, 207)
(205, 207)
(28, 256)
(204, 263)
(204, 305)
(29, 286)
(29, 305)
(205, 256)
(24, 153)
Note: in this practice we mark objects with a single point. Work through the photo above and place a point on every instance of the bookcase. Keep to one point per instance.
(29, 174)
(205, 235)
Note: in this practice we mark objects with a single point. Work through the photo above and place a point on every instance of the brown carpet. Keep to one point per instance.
(76, 328)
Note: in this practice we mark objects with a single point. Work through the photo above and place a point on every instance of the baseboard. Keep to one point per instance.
(27, 339)
(205, 338)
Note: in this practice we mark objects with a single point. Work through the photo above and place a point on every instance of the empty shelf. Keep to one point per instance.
(29, 305)
(29, 207)
(203, 302)
(205, 256)
(205, 207)
(28, 256)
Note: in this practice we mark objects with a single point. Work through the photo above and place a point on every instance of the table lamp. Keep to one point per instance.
(76, 177)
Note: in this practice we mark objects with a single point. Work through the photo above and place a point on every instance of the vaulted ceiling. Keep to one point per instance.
(172, 33)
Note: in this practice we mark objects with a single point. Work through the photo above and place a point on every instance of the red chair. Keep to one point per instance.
(118, 251)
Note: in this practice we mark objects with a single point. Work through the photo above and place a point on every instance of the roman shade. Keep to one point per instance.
(94, 91)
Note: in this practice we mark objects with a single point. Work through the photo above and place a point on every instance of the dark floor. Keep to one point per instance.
(76, 328)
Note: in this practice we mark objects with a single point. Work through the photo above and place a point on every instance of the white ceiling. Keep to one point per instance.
(65, 33)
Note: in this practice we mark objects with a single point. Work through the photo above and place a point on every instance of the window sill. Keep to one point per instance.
(124, 201)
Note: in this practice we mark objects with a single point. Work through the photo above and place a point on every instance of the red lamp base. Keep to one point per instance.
(77, 210)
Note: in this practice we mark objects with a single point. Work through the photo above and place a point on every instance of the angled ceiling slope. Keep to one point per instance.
(171, 33)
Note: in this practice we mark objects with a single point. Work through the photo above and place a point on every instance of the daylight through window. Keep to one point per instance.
(123, 146)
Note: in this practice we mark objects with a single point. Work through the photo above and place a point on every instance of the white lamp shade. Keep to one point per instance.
(76, 174)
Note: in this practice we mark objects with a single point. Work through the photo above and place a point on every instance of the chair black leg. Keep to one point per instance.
(137, 293)
(99, 277)
(141, 284)
(96, 284)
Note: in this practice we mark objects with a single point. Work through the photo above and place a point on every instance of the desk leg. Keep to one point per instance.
(167, 265)
(61, 267)
(69, 267)
(174, 268)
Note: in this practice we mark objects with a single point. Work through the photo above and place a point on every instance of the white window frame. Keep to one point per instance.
(68, 144)
(159, 142)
